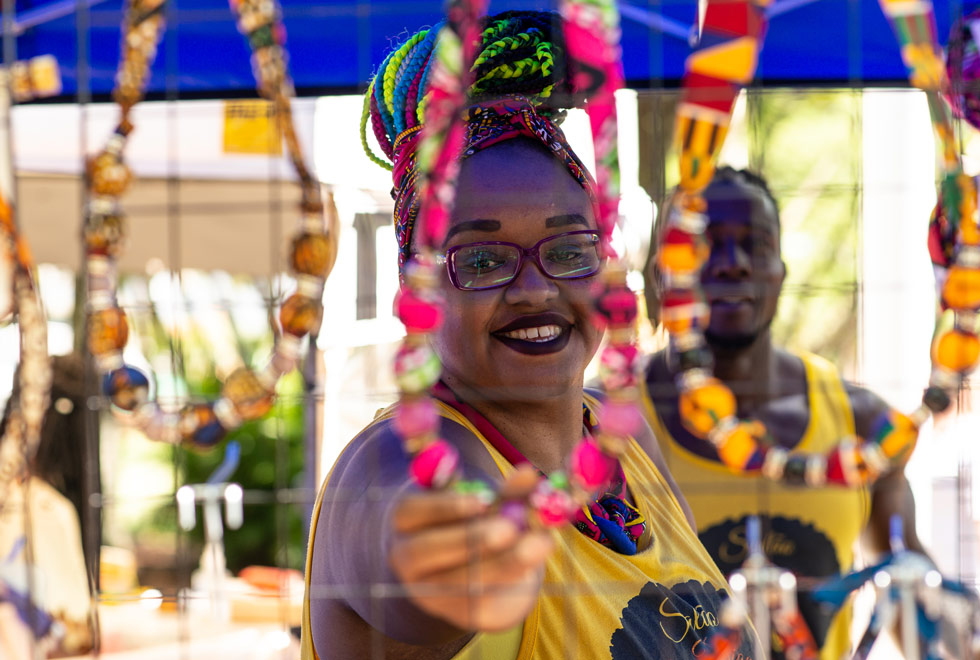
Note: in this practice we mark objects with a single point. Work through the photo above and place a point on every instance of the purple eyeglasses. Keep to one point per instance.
(491, 264)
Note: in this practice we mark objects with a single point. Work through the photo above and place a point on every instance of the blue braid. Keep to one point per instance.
(419, 55)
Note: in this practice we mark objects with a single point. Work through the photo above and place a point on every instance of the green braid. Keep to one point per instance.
(394, 65)
(365, 114)
(518, 55)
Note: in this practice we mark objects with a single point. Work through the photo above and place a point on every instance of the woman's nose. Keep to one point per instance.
(530, 285)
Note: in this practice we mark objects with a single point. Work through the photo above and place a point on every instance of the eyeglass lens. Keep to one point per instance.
(482, 265)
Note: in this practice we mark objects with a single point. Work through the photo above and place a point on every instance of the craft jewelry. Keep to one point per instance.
(425, 159)
(23, 81)
(714, 74)
(246, 394)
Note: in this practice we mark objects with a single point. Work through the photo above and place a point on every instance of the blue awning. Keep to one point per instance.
(334, 44)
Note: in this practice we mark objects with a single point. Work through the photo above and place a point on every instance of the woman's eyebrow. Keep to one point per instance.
(567, 219)
(472, 225)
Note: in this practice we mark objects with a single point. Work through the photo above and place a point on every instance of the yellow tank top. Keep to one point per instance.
(810, 531)
(662, 602)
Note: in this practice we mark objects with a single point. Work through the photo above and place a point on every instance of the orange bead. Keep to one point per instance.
(681, 252)
(108, 175)
(969, 232)
(956, 350)
(962, 288)
(897, 435)
(299, 315)
(108, 331)
(703, 406)
(246, 394)
(313, 254)
(682, 310)
(738, 446)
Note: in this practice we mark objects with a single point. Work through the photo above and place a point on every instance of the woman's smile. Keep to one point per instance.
(535, 334)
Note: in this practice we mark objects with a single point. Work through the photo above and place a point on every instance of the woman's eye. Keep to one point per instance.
(483, 260)
(565, 254)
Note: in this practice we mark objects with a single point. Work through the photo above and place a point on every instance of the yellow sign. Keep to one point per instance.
(251, 127)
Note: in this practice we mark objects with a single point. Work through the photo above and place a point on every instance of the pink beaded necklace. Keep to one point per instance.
(592, 37)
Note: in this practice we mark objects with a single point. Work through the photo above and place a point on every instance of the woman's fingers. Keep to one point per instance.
(417, 512)
(492, 594)
(520, 483)
(417, 555)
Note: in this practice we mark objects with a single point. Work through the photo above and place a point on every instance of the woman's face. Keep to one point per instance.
(531, 338)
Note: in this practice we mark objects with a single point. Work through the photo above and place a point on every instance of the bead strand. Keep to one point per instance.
(246, 394)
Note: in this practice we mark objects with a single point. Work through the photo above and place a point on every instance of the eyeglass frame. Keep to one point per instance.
(523, 252)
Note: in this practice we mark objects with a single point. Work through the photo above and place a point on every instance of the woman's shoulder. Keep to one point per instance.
(376, 456)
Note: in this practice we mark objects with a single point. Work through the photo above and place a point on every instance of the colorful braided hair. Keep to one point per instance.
(522, 52)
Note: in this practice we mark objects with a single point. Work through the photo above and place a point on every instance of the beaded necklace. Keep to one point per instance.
(23, 81)
(707, 406)
(246, 394)
(592, 37)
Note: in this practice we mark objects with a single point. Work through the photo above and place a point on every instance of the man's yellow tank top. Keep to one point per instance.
(662, 602)
(810, 531)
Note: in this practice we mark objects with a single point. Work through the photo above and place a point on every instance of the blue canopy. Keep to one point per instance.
(334, 44)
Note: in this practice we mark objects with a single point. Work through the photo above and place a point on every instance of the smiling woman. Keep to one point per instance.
(401, 573)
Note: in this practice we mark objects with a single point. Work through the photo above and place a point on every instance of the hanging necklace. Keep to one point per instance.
(707, 406)
(246, 394)
(23, 81)
(592, 37)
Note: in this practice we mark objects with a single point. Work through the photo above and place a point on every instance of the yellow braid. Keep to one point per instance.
(391, 71)
(365, 113)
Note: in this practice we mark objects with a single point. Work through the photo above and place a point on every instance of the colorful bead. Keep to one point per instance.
(417, 368)
(962, 288)
(682, 310)
(436, 465)
(794, 472)
(816, 471)
(681, 252)
(895, 433)
(105, 227)
(553, 505)
(313, 254)
(299, 315)
(739, 445)
(936, 399)
(622, 418)
(416, 417)
(705, 405)
(775, 463)
(616, 367)
(418, 314)
(108, 331)
(615, 304)
(108, 175)
(199, 426)
(127, 388)
(843, 465)
(957, 351)
(591, 469)
(245, 392)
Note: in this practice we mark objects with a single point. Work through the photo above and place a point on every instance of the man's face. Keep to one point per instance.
(744, 272)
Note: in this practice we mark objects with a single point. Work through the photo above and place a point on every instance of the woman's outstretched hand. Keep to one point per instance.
(464, 563)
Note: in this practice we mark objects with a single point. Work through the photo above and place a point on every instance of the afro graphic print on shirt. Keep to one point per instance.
(788, 543)
(662, 623)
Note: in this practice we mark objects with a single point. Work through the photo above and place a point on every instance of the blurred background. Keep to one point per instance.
(846, 147)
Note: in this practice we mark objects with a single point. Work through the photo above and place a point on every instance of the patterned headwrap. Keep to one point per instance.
(963, 68)
(487, 124)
